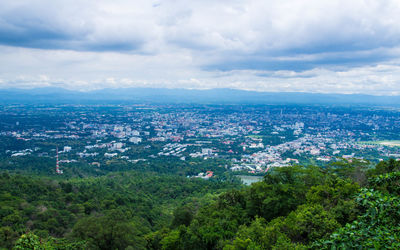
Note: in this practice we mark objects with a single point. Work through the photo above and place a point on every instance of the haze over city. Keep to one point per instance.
(274, 46)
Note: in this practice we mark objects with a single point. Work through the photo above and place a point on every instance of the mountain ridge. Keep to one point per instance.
(180, 95)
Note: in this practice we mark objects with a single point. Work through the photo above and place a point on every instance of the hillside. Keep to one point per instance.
(346, 205)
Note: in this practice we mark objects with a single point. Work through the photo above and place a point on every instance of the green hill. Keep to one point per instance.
(340, 206)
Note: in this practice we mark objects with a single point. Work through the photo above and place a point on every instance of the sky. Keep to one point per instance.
(322, 46)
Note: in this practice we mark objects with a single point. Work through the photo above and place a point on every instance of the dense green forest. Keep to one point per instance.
(134, 203)
(345, 205)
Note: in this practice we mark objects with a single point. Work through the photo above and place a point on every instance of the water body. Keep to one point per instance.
(249, 179)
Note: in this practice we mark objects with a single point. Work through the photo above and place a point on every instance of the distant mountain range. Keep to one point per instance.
(162, 95)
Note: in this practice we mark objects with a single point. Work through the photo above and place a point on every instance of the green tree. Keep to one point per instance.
(29, 241)
(111, 231)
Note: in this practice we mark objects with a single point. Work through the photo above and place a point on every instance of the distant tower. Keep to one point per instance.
(58, 171)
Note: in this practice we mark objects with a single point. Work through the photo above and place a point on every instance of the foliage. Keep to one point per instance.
(32, 241)
(112, 231)
(292, 208)
(52, 208)
(29, 241)
(384, 167)
(377, 227)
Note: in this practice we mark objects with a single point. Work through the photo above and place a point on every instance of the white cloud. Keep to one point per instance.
(298, 45)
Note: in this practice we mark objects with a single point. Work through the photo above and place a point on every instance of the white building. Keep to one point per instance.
(117, 145)
(110, 155)
(135, 140)
(206, 151)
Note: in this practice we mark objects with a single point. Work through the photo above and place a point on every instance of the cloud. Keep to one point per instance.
(73, 25)
(297, 45)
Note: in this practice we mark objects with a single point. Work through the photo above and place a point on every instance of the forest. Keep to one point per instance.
(342, 205)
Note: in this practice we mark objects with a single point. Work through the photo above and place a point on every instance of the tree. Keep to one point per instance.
(378, 224)
(111, 231)
(183, 216)
(29, 241)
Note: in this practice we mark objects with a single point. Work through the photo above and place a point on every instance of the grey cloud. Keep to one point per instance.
(308, 45)
(62, 25)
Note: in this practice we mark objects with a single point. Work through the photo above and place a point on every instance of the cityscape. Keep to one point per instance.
(200, 125)
(248, 139)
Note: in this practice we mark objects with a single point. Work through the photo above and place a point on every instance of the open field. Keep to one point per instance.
(256, 136)
(394, 143)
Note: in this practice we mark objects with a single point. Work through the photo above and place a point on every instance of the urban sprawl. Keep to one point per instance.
(247, 139)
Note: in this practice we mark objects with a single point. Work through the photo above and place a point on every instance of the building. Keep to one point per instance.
(135, 140)
(117, 145)
(206, 151)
